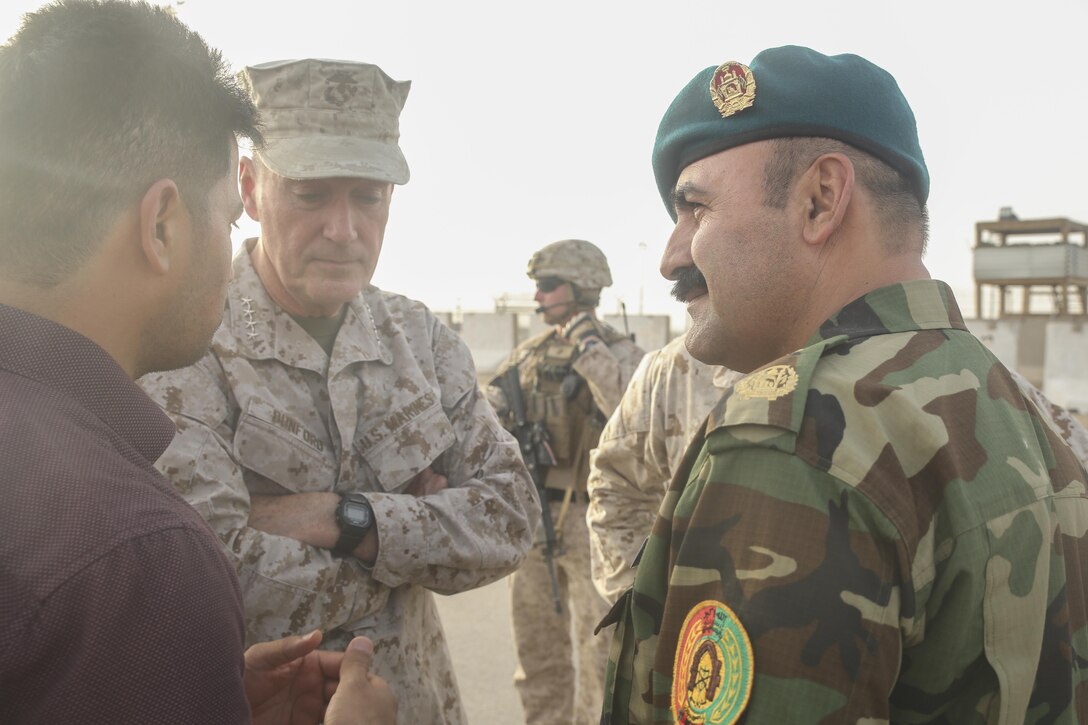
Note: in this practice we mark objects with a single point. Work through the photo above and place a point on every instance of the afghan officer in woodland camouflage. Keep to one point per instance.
(874, 524)
(643, 445)
(572, 377)
(335, 436)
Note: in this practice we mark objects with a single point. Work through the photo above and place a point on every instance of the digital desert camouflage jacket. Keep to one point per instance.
(641, 446)
(877, 528)
(266, 411)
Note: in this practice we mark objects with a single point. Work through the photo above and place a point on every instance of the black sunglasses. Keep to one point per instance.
(547, 284)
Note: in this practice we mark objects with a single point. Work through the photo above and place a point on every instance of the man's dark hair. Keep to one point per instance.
(900, 211)
(98, 100)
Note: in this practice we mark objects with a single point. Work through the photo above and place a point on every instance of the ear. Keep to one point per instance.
(247, 183)
(826, 189)
(161, 217)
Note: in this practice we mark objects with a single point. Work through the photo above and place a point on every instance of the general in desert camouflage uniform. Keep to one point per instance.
(321, 391)
(572, 377)
(643, 445)
(640, 448)
(874, 525)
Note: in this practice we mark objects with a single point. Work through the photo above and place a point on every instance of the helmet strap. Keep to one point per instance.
(586, 299)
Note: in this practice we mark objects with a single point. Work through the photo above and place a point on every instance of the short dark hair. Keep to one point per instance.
(895, 196)
(98, 100)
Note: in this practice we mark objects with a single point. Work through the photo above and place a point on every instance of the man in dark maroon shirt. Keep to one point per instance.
(117, 192)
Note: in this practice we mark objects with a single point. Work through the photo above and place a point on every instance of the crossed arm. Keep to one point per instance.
(310, 517)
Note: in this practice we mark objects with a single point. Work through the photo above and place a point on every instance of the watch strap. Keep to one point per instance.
(350, 535)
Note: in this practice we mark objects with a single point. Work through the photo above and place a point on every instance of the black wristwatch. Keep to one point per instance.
(355, 517)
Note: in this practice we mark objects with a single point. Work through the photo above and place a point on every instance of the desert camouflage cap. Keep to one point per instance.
(574, 260)
(326, 118)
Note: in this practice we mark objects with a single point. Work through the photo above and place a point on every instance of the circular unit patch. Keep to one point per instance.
(712, 674)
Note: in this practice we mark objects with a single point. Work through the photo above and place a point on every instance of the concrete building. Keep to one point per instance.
(1031, 298)
(492, 335)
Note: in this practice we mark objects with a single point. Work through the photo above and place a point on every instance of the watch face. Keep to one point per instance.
(356, 514)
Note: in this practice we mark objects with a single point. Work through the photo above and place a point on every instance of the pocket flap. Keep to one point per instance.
(277, 446)
(396, 453)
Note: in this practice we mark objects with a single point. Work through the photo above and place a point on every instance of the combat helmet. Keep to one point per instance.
(576, 261)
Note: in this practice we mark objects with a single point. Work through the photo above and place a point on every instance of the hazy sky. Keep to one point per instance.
(529, 123)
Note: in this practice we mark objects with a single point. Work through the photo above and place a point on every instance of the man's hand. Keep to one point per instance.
(426, 482)
(362, 698)
(289, 681)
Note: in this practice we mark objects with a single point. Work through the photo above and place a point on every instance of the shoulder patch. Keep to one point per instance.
(712, 673)
(774, 395)
(769, 383)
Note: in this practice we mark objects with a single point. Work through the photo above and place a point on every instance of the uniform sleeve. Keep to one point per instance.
(607, 369)
(288, 586)
(180, 656)
(480, 528)
(629, 472)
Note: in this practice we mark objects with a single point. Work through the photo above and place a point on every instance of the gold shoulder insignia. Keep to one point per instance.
(770, 383)
(732, 88)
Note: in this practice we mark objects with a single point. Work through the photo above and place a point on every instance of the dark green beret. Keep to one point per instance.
(789, 91)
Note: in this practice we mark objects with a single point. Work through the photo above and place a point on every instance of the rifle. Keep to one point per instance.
(537, 452)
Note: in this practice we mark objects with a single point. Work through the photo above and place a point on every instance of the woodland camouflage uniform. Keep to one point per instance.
(644, 442)
(892, 476)
(879, 526)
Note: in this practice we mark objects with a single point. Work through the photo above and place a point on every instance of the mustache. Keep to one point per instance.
(688, 279)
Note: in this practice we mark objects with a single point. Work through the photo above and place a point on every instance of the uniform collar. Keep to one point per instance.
(261, 329)
(776, 394)
(923, 304)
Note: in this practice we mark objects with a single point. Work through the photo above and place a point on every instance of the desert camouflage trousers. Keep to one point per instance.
(560, 674)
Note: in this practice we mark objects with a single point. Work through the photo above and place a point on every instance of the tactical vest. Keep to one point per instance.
(560, 398)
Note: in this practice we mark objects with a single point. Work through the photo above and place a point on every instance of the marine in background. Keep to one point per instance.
(572, 377)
